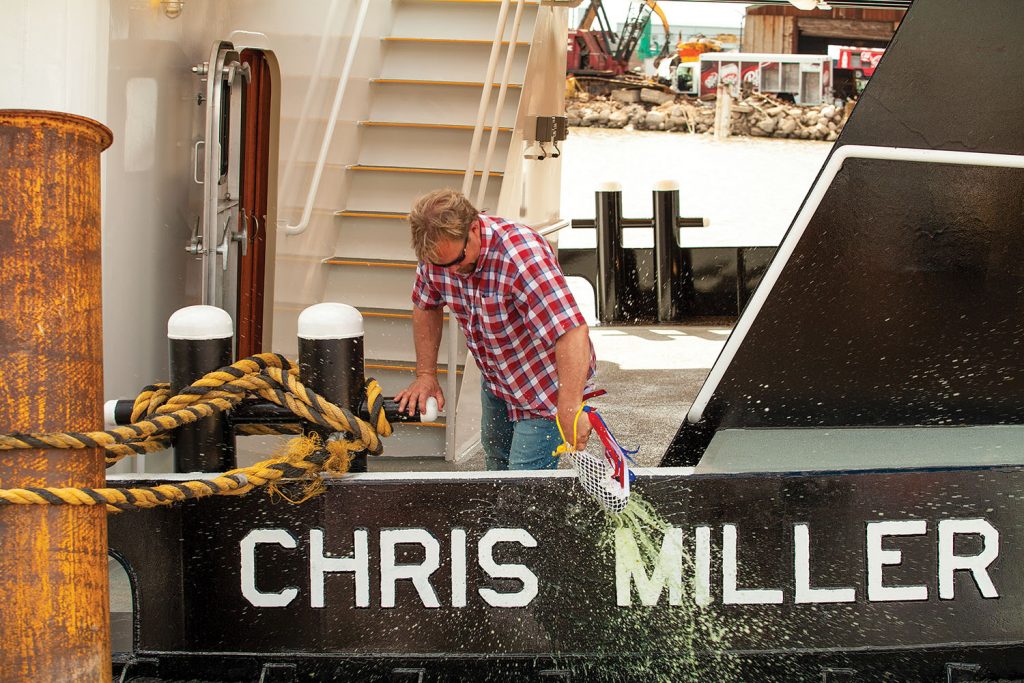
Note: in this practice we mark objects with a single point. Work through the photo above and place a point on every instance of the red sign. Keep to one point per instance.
(708, 78)
(750, 72)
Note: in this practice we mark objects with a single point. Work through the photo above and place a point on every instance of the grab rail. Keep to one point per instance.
(485, 97)
(502, 89)
(325, 145)
(307, 101)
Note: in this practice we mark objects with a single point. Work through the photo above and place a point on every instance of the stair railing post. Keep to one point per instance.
(54, 584)
(199, 340)
(331, 360)
(667, 266)
(610, 256)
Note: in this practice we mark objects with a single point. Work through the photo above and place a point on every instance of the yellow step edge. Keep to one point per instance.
(415, 81)
(530, 3)
(458, 41)
(444, 126)
(347, 213)
(412, 169)
(382, 314)
(339, 261)
(441, 370)
(390, 314)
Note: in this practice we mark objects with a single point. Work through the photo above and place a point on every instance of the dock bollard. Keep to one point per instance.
(331, 359)
(54, 585)
(668, 266)
(610, 256)
(199, 339)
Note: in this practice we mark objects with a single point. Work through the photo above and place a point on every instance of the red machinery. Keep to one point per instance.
(603, 52)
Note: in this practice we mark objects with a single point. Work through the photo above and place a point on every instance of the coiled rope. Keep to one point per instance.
(156, 412)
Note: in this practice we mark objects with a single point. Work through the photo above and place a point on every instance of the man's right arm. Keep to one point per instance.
(426, 334)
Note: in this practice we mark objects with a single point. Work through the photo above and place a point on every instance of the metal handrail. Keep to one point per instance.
(307, 101)
(502, 89)
(325, 145)
(553, 226)
(485, 97)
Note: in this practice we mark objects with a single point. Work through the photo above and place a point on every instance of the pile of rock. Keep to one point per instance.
(757, 115)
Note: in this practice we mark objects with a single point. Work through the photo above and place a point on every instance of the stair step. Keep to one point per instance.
(401, 190)
(452, 105)
(475, 20)
(443, 126)
(380, 288)
(455, 41)
(427, 146)
(369, 262)
(418, 169)
(420, 81)
(528, 3)
(452, 60)
(363, 213)
(405, 366)
(382, 236)
(384, 336)
(400, 313)
(413, 440)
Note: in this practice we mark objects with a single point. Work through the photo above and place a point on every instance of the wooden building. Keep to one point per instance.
(786, 29)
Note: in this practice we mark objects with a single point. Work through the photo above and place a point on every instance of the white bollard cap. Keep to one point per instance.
(666, 185)
(200, 322)
(609, 186)
(330, 321)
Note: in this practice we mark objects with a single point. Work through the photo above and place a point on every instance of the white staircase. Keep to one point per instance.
(416, 137)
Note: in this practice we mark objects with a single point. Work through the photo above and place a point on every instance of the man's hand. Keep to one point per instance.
(566, 416)
(416, 394)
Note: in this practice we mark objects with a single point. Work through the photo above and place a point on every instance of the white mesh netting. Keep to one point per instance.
(595, 475)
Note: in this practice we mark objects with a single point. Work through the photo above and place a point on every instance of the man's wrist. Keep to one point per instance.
(426, 373)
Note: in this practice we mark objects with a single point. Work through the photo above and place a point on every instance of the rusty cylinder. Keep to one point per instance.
(53, 559)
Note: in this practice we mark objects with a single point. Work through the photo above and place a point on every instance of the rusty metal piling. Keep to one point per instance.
(54, 588)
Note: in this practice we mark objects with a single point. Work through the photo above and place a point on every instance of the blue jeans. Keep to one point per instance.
(521, 445)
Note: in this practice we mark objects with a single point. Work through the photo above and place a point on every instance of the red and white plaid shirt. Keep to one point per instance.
(512, 309)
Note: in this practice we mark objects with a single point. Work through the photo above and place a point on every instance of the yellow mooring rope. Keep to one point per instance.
(156, 412)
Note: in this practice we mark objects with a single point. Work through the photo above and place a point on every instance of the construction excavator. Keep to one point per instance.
(598, 58)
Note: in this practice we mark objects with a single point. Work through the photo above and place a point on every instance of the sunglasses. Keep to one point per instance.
(458, 259)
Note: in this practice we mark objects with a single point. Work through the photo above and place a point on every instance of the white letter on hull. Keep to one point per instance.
(702, 570)
(419, 574)
(877, 558)
(976, 564)
(485, 556)
(458, 567)
(320, 564)
(248, 574)
(730, 594)
(630, 568)
(802, 569)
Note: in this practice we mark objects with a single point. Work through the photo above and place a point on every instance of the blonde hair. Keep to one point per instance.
(437, 216)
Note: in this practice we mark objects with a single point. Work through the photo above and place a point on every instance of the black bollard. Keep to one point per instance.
(668, 263)
(610, 258)
(200, 341)
(331, 359)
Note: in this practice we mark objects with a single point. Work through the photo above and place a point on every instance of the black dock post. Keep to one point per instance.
(331, 359)
(610, 258)
(200, 340)
(667, 255)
